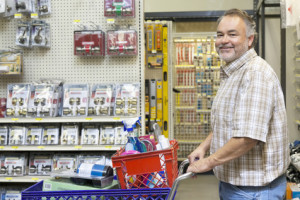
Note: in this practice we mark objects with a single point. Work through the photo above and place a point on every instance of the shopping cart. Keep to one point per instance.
(35, 192)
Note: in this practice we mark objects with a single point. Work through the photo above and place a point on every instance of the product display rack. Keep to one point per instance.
(196, 74)
(59, 62)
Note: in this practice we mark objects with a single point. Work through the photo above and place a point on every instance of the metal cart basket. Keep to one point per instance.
(35, 192)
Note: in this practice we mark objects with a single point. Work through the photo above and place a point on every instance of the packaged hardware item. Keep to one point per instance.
(43, 101)
(17, 98)
(2, 107)
(89, 43)
(89, 158)
(69, 135)
(50, 135)
(64, 162)
(10, 8)
(11, 61)
(40, 164)
(127, 99)
(40, 34)
(44, 7)
(17, 135)
(75, 102)
(23, 34)
(11, 194)
(90, 134)
(25, 6)
(2, 7)
(12, 164)
(122, 42)
(119, 8)
(34, 135)
(100, 99)
(107, 135)
(120, 135)
(3, 135)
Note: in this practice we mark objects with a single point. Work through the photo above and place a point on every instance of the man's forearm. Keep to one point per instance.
(206, 143)
(234, 148)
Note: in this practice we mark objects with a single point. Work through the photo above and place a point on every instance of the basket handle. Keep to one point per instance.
(181, 177)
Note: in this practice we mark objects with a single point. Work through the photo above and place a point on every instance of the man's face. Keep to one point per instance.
(232, 42)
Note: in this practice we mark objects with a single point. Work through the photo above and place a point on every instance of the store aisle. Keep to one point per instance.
(202, 187)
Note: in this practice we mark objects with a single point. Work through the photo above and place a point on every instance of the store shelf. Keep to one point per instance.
(23, 179)
(185, 107)
(208, 67)
(184, 66)
(63, 119)
(185, 87)
(190, 141)
(62, 148)
(203, 111)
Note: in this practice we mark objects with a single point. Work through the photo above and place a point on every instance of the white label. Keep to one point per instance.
(85, 169)
(48, 186)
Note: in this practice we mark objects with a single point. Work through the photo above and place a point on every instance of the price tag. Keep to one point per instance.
(18, 16)
(88, 119)
(41, 147)
(14, 147)
(34, 16)
(117, 118)
(8, 178)
(1, 147)
(35, 179)
(38, 119)
(110, 21)
(154, 51)
(14, 119)
(77, 21)
(108, 147)
(78, 147)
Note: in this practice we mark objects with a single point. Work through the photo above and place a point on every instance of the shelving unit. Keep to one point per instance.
(59, 148)
(59, 62)
(196, 77)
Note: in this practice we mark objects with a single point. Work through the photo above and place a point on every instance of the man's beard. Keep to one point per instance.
(237, 52)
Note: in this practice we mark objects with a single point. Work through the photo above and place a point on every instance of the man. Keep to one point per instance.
(249, 141)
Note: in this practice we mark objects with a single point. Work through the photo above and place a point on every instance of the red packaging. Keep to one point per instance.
(3, 102)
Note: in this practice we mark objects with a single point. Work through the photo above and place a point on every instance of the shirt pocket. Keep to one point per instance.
(222, 112)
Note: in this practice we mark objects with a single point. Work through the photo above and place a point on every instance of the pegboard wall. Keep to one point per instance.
(59, 61)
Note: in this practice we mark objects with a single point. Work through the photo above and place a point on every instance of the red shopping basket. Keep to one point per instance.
(156, 169)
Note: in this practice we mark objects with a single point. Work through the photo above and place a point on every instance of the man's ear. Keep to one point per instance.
(250, 40)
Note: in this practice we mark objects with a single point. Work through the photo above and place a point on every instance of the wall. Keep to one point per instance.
(195, 5)
(293, 113)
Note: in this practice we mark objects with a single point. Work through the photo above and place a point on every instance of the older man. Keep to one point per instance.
(249, 140)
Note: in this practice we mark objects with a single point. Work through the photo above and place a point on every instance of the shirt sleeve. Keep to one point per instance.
(254, 107)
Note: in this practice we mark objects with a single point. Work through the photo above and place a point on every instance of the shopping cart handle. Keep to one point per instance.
(180, 178)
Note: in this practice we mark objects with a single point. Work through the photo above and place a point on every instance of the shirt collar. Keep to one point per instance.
(235, 65)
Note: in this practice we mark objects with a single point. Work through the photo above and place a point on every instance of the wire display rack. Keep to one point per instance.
(196, 77)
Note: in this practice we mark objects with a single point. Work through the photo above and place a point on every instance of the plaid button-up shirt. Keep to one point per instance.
(250, 103)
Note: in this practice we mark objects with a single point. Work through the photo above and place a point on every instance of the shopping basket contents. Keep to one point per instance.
(88, 174)
(156, 169)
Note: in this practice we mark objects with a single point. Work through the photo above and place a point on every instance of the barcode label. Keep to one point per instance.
(48, 186)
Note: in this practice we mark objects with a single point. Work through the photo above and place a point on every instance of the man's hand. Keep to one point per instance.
(200, 166)
(196, 155)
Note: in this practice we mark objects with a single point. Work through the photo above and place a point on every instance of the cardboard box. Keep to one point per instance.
(66, 184)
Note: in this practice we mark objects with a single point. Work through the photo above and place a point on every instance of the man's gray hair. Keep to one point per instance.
(250, 23)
